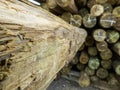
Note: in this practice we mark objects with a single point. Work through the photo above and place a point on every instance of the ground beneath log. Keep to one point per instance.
(63, 84)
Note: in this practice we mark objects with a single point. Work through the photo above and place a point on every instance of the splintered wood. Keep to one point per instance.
(34, 46)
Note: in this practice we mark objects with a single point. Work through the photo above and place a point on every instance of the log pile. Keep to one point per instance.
(34, 46)
(99, 57)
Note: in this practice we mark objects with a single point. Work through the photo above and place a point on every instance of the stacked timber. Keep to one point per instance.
(34, 46)
(99, 56)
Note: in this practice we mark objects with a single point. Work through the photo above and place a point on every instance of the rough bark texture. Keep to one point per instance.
(38, 44)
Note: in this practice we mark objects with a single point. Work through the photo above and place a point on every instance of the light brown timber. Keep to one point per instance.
(48, 42)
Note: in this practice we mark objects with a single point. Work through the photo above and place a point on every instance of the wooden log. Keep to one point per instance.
(49, 43)
(84, 80)
(45, 6)
(106, 64)
(102, 73)
(102, 46)
(116, 66)
(76, 20)
(116, 11)
(92, 51)
(107, 7)
(94, 63)
(84, 57)
(81, 78)
(66, 16)
(83, 12)
(112, 36)
(107, 20)
(117, 24)
(99, 35)
(89, 71)
(106, 55)
(97, 10)
(68, 5)
(89, 21)
(116, 48)
(113, 81)
(54, 8)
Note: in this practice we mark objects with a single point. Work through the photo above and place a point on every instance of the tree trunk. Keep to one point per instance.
(34, 45)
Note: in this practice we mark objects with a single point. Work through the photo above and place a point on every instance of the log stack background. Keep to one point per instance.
(99, 56)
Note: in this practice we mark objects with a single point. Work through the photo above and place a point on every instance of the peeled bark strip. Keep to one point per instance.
(37, 45)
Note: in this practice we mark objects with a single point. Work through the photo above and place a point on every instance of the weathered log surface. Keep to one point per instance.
(37, 45)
